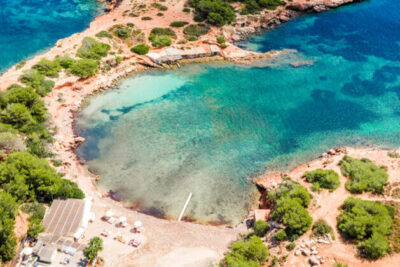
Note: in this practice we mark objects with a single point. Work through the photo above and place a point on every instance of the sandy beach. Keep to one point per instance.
(166, 242)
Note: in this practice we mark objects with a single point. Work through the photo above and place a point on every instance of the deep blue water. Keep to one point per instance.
(28, 27)
(207, 128)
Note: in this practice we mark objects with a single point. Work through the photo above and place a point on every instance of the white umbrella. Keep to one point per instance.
(109, 213)
(138, 224)
(122, 219)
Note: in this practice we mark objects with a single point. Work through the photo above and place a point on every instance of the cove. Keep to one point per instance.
(28, 27)
(209, 128)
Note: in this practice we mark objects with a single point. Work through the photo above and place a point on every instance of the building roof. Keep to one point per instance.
(47, 254)
(64, 218)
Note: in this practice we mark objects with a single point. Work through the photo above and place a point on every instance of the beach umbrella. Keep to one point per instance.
(122, 219)
(138, 224)
(109, 213)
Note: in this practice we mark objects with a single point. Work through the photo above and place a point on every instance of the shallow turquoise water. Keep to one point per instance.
(28, 27)
(207, 128)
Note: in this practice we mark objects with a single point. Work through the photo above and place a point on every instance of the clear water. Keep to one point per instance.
(28, 27)
(207, 128)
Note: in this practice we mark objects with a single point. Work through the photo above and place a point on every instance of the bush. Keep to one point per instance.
(290, 200)
(123, 33)
(163, 31)
(280, 235)
(321, 228)
(195, 30)
(178, 24)
(103, 34)
(221, 40)
(47, 67)
(367, 221)
(146, 18)
(92, 49)
(216, 12)
(324, 178)
(37, 81)
(160, 40)
(65, 61)
(375, 247)
(260, 228)
(364, 175)
(36, 212)
(186, 10)
(19, 116)
(290, 246)
(140, 49)
(250, 252)
(84, 67)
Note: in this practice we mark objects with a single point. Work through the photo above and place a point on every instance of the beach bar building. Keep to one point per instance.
(64, 222)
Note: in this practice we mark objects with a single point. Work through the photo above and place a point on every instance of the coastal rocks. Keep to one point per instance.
(313, 261)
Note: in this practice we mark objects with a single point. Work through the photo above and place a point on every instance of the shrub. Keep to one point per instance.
(216, 12)
(160, 40)
(47, 67)
(293, 190)
(186, 10)
(324, 178)
(290, 246)
(260, 228)
(92, 49)
(19, 116)
(369, 222)
(178, 24)
(280, 235)
(195, 30)
(375, 247)
(140, 49)
(65, 61)
(20, 65)
(163, 31)
(84, 67)
(10, 142)
(364, 175)
(123, 33)
(250, 252)
(36, 212)
(221, 39)
(37, 81)
(321, 228)
(8, 241)
(146, 18)
(103, 34)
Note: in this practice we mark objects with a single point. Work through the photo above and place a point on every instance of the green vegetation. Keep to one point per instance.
(36, 212)
(103, 34)
(215, 12)
(290, 246)
(123, 33)
(8, 212)
(290, 201)
(65, 61)
(140, 49)
(92, 49)
(84, 67)
(260, 228)
(146, 18)
(195, 31)
(321, 228)
(249, 252)
(280, 235)
(94, 247)
(37, 81)
(367, 223)
(29, 177)
(48, 68)
(338, 264)
(221, 40)
(160, 37)
(364, 175)
(178, 24)
(159, 6)
(20, 65)
(254, 6)
(328, 179)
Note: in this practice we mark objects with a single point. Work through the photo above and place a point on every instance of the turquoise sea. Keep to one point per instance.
(28, 27)
(207, 128)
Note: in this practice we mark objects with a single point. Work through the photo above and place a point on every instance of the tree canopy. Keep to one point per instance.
(328, 179)
(364, 175)
(250, 252)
